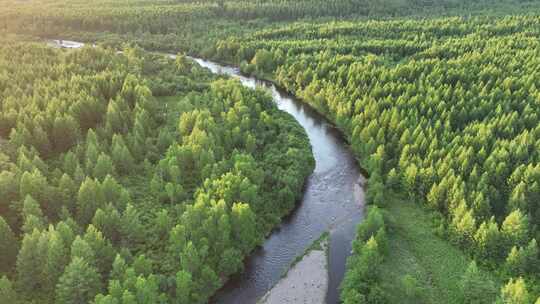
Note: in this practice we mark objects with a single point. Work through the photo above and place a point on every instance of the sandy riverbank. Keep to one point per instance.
(306, 282)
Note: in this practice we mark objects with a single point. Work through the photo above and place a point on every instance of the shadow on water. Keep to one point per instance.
(333, 201)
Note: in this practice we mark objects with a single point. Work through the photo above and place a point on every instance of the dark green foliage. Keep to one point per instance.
(140, 195)
(429, 117)
(475, 287)
(80, 283)
(8, 247)
(515, 292)
(7, 292)
(444, 110)
(372, 223)
(57, 260)
(30, 261)
(361, 279)
(523, 261)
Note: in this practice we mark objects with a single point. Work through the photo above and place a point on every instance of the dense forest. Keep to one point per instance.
(444, 111)
(193, 26)
(110, 192)
(129, 177)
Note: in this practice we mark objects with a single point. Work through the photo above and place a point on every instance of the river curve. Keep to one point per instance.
(333, 201)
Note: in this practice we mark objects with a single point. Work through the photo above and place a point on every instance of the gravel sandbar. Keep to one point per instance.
(306, 282)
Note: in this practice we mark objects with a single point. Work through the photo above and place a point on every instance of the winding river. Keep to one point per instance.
(333, 201)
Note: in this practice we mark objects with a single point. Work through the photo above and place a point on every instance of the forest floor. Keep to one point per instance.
(415, 250)
(305, 282)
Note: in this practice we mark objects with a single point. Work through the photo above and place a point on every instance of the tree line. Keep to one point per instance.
(443, 110)
(193, 25)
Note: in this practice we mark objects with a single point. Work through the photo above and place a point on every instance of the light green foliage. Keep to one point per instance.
(443, 109)
(81, 249)
(30, 261)
(183, 287)
(410, 285)
(515, 228)
(515, 292)
(104, 166)
(522, 261)
(264, 61)
(7, 292)
(57, 260)
(423, 110)
(80, 283)
(475, 287)
(32, 215)
(89, 199)
(372, 223)
(111, 186)
(361, 280)
(8, 247)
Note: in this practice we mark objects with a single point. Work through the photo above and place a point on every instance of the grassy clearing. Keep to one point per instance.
(414, 249)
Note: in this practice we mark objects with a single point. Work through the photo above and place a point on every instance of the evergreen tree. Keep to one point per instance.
(104, 166)
(108, 221)
(190, 259)
(475, 287)
(522, 261)
(244, 226)
(89, 199)
(80, 283)
(131, 227)
(57, 259)
(515, 292)
(184, 285)
(81, 249)
(34, 184)
(128, 298)
(147, 290)
(373, 222)
(119, 267)
(7, 294)
(8, 247)
(30, 261)
(488, 240)
(32, 216)
(231, 261)
(101, 299)
(103, 250)
(68, 191)
(515, 228)
(65, 133)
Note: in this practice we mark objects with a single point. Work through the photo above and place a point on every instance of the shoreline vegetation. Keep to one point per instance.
(437, 98)
(219, 177)
(412, 237)
(317, 79)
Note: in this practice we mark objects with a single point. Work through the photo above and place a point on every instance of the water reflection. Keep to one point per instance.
(332, 201)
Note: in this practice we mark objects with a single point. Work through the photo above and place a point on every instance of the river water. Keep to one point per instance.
(333, 201)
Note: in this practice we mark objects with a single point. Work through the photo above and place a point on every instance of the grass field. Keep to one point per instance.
(415, 250)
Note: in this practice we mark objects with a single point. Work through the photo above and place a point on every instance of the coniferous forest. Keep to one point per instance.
(111, 192)
(131, 176)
